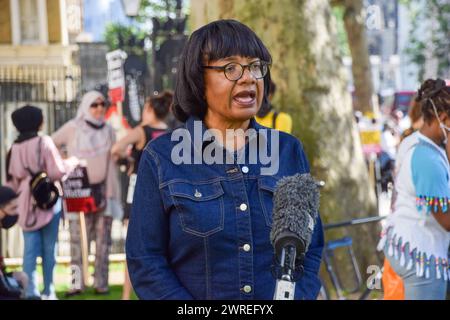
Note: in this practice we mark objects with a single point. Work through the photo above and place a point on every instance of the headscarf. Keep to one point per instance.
(93, 136)
(83, 112)
(27, 121)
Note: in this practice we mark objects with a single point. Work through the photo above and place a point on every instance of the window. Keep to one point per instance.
(29, 21)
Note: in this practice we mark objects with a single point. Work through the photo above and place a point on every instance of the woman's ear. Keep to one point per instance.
(443, 117)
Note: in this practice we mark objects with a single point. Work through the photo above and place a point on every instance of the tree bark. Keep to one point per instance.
(354, 22)
(311, 87)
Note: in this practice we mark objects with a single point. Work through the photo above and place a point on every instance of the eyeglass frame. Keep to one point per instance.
(95, 104)
(222, 68)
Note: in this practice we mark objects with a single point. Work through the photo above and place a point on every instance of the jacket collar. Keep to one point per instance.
(200, 140)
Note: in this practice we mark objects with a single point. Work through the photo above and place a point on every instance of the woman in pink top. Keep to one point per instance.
(40, 227)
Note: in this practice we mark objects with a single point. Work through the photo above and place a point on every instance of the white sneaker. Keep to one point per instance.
(49, 297)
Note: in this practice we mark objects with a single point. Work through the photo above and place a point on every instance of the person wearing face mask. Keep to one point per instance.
(8, 207)
(200, 227)
(13, 285)
(416, 239)
(90, 139)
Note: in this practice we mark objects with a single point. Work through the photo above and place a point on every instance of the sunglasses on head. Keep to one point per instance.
(95, 104)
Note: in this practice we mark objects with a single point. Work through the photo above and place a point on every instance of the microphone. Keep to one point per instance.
(296, 206)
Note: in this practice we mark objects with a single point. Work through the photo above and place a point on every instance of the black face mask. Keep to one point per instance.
(95, 126)
(8, 221)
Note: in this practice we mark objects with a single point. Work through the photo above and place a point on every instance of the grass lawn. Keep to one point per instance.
(62, 282)
(115, 294)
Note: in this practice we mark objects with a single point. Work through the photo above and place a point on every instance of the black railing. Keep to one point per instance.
(53, 87)
(39, 83)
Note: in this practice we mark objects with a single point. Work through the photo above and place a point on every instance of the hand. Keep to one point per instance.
(130, 168)
(115, 157)
(116, 153)
(71, 163)
(114, 150)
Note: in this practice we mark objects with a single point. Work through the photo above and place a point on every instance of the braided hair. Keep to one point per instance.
(438, 91)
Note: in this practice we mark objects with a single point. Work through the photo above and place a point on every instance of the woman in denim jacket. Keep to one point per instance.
(202, 210)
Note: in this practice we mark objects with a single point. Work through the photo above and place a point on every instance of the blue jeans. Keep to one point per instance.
(419, 288)
(41, 243)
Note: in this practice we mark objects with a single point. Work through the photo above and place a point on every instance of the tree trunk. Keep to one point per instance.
(311, 87)
(354, 22)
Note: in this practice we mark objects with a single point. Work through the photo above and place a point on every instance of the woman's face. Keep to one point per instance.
(237, 100)
(10, 208)
(147, 112)
(98, 109)
(445, 120)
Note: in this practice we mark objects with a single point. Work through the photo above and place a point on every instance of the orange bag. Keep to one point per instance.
(392, 283)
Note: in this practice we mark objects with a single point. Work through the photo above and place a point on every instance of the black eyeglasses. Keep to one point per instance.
(95, 104)
(233, 71)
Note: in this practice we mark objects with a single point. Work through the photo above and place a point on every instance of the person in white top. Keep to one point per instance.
(416, 239)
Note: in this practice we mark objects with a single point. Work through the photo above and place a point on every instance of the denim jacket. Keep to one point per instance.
(202, 231)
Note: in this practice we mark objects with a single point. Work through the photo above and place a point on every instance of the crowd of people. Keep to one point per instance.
(88, 141)
(202, 231)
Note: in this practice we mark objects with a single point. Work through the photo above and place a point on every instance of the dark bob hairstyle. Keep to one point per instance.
(216, 40)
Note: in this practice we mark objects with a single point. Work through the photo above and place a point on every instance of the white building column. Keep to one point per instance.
(63, 26)
(43, 24)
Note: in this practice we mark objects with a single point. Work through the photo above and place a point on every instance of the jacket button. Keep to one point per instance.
(243, 207)
(244, 169)
(197, 194)
(246, 247)
(247, 289)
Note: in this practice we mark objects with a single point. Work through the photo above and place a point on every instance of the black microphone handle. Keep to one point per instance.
(287, 261)
(285, 285)
(290, 254)
(286, 239)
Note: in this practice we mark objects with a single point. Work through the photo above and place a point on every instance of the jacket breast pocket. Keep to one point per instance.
(200, 207)
(266, 188)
